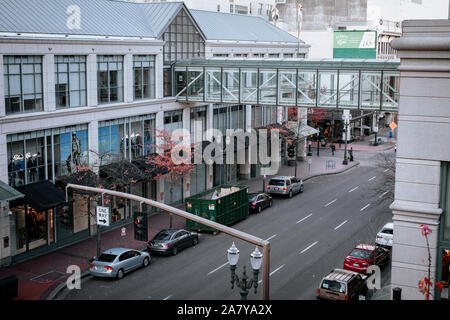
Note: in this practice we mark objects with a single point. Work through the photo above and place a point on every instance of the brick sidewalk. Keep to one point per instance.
(42, 275)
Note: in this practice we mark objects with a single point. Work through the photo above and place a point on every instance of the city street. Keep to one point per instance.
(309, 234)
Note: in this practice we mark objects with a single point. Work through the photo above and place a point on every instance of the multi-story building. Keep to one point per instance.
(85, 83)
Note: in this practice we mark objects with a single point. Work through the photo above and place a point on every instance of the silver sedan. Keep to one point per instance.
(116, 262)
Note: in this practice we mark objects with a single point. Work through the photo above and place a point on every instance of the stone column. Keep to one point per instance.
(159, 124)
(302, 115)
(209, 125)
(94, 160)
(91, 76)
(2, 91)
(187, 126)
(245, 169)
(48, 82)
(159, 76)
(423, 131)
(128, 78)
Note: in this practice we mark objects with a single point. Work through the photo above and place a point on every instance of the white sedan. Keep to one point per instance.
(386, 235)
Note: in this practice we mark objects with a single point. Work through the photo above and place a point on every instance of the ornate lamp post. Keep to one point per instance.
(245, 284)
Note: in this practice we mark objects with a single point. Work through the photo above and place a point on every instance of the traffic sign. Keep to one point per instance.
(392, 125)
(103, 216)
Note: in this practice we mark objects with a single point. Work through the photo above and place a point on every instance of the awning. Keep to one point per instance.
(8, 193)
(303, 130)
(40, 196)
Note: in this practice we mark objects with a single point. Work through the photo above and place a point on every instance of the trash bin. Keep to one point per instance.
(9, 287)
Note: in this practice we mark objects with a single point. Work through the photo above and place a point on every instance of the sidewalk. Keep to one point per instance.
(41, 277)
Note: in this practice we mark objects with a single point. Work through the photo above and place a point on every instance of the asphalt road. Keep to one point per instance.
(309, 234)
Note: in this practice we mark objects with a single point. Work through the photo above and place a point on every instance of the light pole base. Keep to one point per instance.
(345, 162)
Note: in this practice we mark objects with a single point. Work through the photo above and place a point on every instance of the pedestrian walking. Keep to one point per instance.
(333, 148)
(351, 154)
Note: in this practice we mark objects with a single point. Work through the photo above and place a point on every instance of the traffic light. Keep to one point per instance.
(140, 226)
(65, 216)
(291, 150)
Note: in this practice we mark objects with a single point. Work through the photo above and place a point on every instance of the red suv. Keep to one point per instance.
(364, 255)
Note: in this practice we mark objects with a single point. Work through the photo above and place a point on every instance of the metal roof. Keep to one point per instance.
(354, 64)
(98, 17)
(238, 27)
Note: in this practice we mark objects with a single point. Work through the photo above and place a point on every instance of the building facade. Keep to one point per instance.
(422, 164)
(76, 94)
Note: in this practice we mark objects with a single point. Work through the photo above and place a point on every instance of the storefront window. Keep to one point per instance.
(445, 280)
(45, 154)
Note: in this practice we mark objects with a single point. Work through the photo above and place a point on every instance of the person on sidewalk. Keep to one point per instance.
(351, 153)
(333, 148)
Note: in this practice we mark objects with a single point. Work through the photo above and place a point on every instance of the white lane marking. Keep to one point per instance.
(309, 247)
(354, 189)
(218, 268)
(372, 178)
(330, 202)
(309, 215)
(341, 225)
(270, 238)
(382, 195)
(386, 170)
(166, 298)
(365, 207)
(270, 274)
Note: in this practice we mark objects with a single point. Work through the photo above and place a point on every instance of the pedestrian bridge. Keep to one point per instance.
(364, 84)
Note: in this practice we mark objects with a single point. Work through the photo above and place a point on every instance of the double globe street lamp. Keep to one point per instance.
(245, 284)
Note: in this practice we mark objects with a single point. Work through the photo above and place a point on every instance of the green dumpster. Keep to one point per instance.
(224, 204)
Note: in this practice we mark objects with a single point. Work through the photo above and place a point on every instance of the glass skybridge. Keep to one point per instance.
(364, 84)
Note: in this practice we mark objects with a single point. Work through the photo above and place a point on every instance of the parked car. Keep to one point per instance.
(364, 255)
(285, 185)
(342, 284)
(116, 262)
(259, 201)
(170, 241)
(385, 236)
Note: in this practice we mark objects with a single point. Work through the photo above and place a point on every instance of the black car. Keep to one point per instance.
(170, 241)
(259, 201)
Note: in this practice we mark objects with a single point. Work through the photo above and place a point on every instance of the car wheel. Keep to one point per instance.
(301, 189)
(120, 274)
(270, 203)
(259, 209)
(174, 250)
(290, 194)
(195, 241)
(146, 262)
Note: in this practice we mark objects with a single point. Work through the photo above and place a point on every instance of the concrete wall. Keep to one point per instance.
(423, 135)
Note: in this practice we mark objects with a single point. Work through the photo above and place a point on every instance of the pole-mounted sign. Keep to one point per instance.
(103, 216)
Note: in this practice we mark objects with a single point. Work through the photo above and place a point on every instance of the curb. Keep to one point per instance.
(355, 164)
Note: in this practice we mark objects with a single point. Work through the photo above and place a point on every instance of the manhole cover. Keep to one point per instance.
(49, 277)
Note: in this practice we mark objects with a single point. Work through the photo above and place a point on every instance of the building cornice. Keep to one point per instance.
(134, 42)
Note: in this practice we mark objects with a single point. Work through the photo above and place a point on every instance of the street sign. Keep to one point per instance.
(123, 232)
(103, 216)
(392, 125)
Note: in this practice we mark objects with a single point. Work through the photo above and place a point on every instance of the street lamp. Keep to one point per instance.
(245, 284)
(318, 144)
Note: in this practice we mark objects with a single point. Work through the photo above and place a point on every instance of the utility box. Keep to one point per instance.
(223, 204)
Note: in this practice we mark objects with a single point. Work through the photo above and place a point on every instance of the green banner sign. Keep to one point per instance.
(355, 44)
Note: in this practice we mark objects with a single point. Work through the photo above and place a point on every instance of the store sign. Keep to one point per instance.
(211, 206)
(103, 216)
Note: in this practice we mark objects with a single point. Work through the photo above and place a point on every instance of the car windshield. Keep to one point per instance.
(361, 254)
(333, 285)
(274, 182)
(163, 235)
(105, 257)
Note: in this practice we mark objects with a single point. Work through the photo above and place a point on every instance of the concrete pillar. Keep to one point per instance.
(422, 132)
(2, 86)
(128, 78)
(209, 120)
(91, 67)
(159, 124)
(159, 76)
(245, 169)
(94, 160)
(48, 81)
(303, 118)
(187, 126)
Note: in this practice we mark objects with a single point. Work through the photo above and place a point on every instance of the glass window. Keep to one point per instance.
(70, 81)
(110, 79)
(23, 84)
(144, 77)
